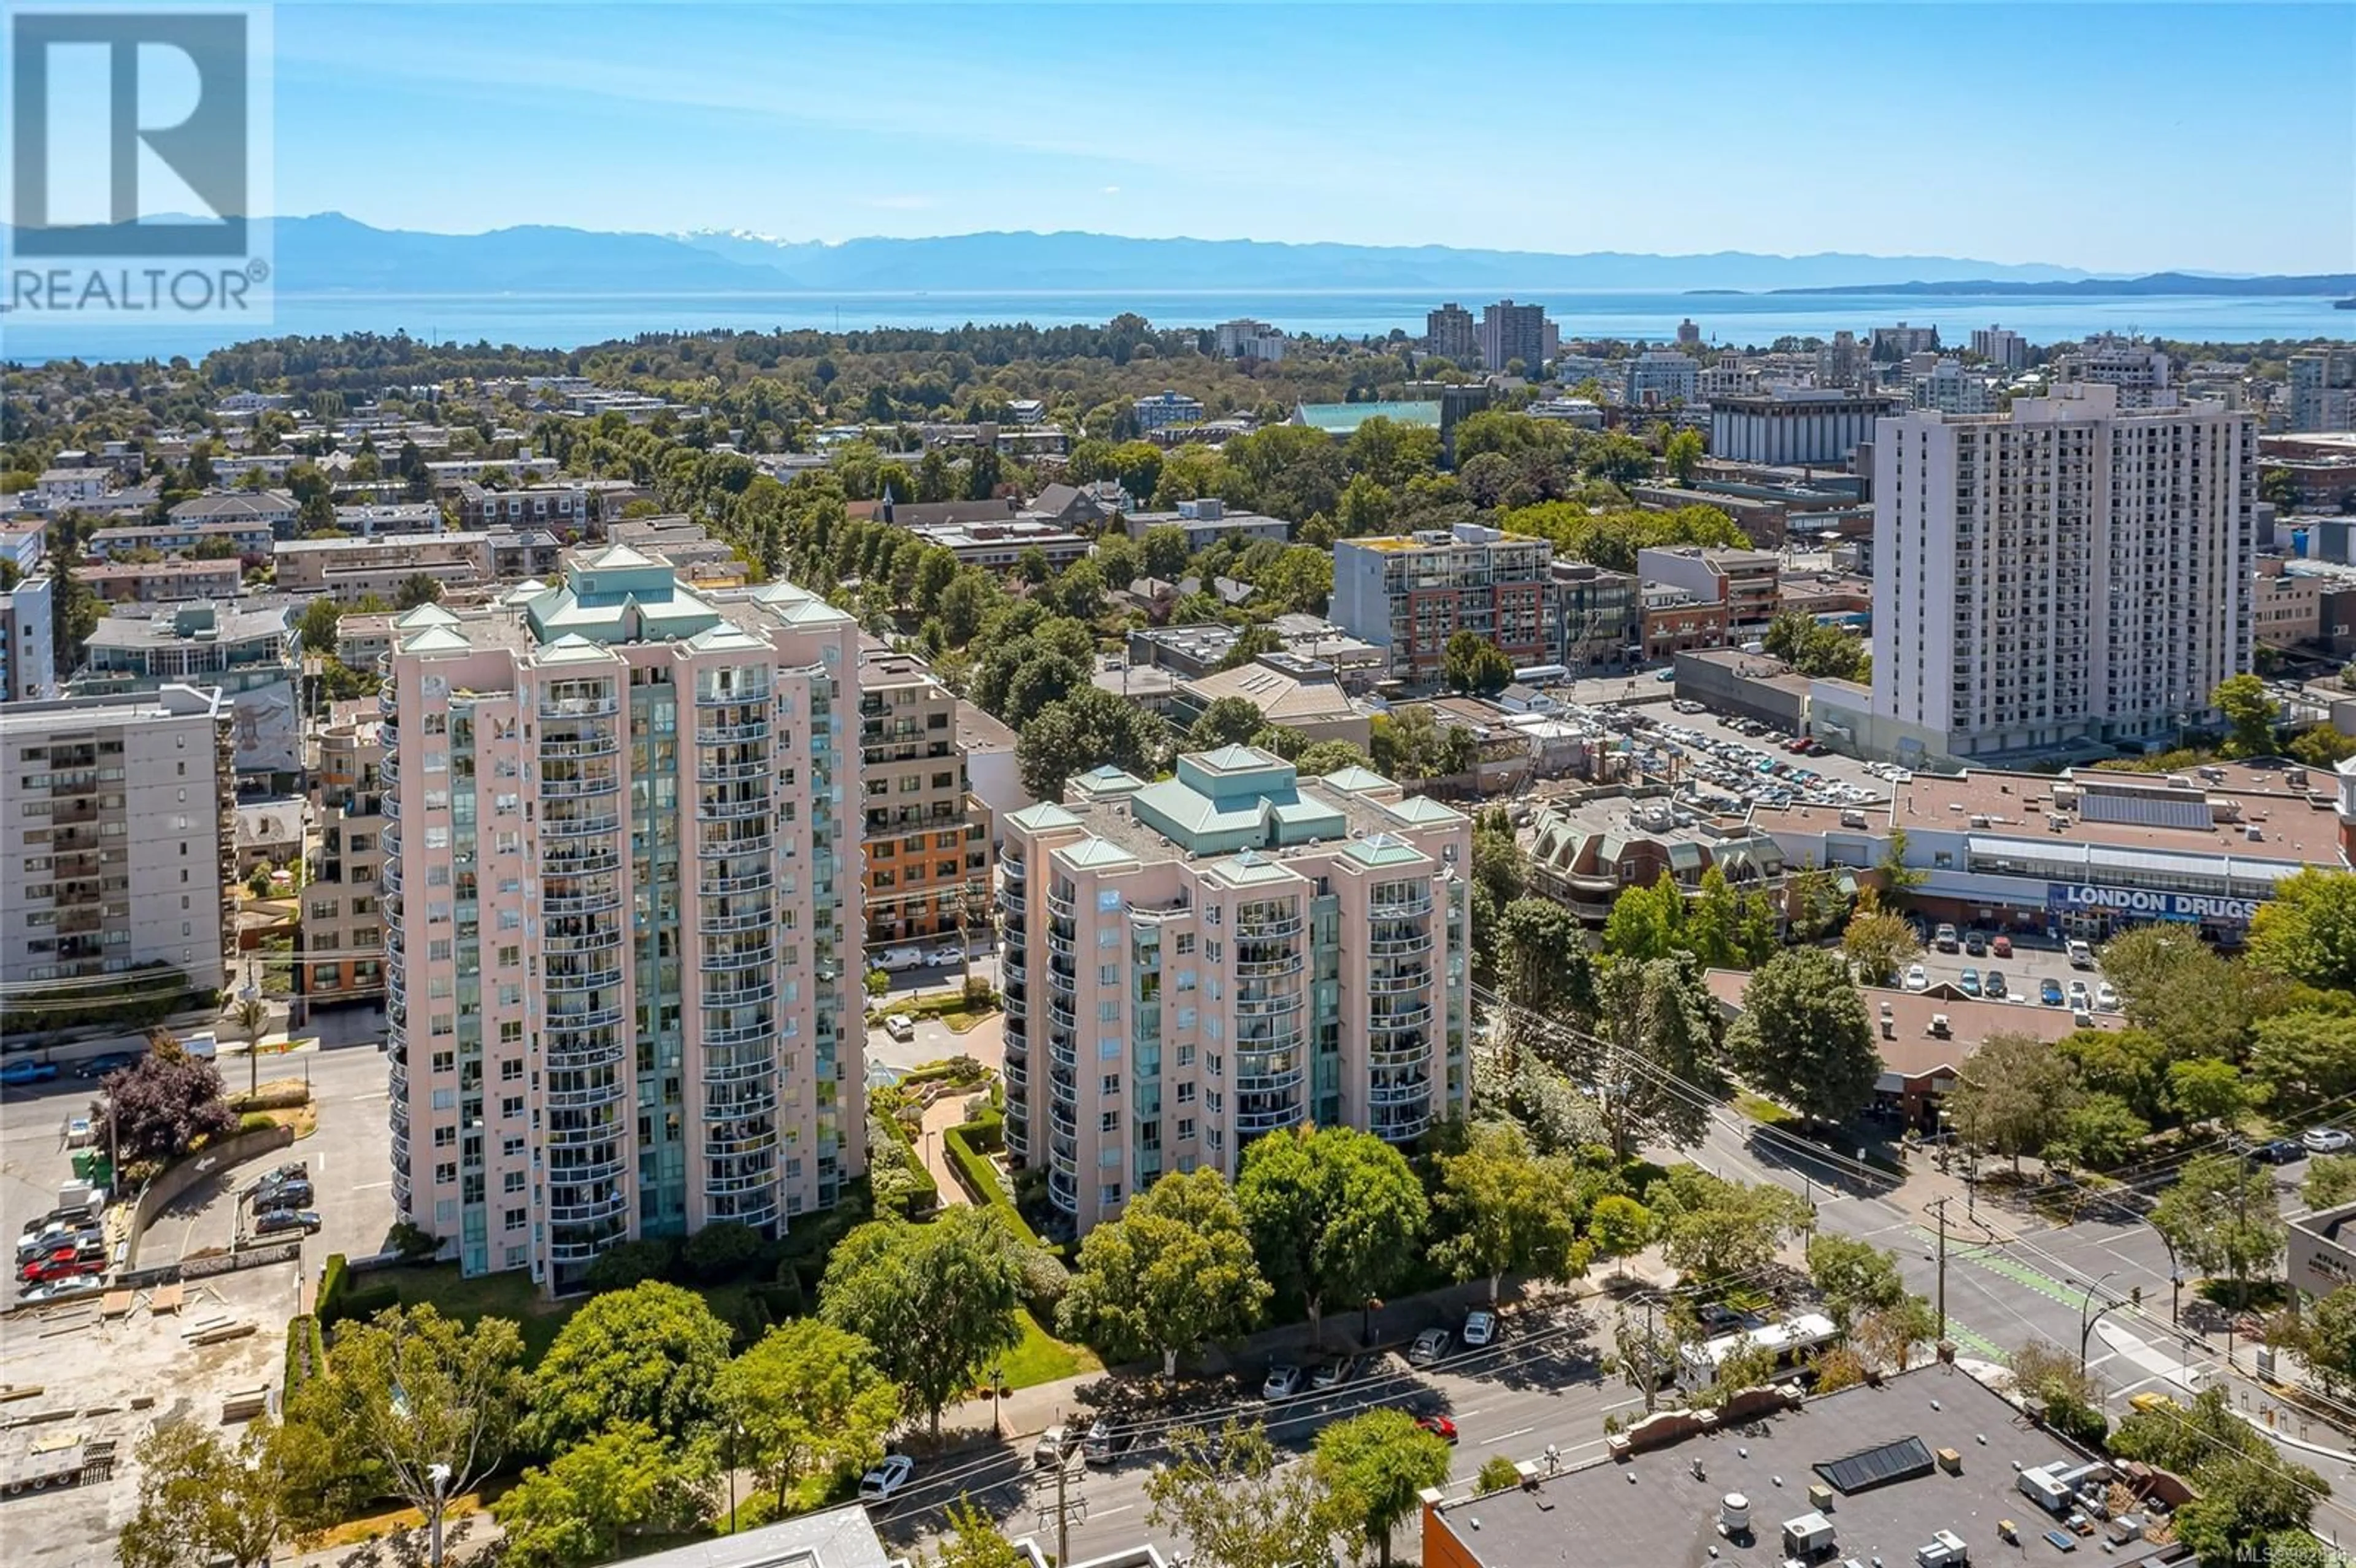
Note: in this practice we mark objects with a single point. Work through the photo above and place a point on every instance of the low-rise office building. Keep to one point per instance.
(1674, 620)
(1409, 594)
(1232, 952)
(1208, 520)
(1589, 848)
(379, 518)
(2287, 606)
(272, 509)
(1291, 692)
(1806, 426)
(252, 540)
(1593, 617)
(351, 570)
(1747, 582)
(118, 840)
(997, 544)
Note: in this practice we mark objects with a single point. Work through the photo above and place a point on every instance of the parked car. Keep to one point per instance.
(1440, 1426)
(1054, 1444)
(900, 1027)
(886, 1480)
(60, 1268)
(1283, 1381)
(274, 1221)
(1429, 1347)
(112, 1062)
(1102, 1445)
(2000, 946)
(25, 1070)
(2278, 1151)
(1992, 985)
(2048, 992)
(2081, 955)
(1917, 977)
(57, 1289)
(2325, 1140)
(1334, 1373)
(1968, 982)
(947, 953)
(290, 1171)
(1944, 939)
(2080, 1000)
(1480, 1328)
(293, 1193)
(50, 1243)
(1975, 943)
(2107, 997)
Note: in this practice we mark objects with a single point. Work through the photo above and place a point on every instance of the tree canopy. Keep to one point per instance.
(937, 1300)
(1335, 1215)
(1176, 1270)
(648, 1355)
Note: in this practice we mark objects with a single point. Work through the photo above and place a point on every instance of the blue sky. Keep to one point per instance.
(2109, 136)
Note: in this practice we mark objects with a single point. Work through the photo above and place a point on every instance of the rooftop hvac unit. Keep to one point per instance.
(1808, 1537)
(1945, 1550)
(1734, 1516)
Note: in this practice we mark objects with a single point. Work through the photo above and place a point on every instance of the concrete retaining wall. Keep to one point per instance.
(182, 1175)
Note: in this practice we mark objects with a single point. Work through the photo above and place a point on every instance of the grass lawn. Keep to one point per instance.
(1759, 1108)
(1042, 1359)
(510, 1295)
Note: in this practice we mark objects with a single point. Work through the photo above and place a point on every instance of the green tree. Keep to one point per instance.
(1225, 1495)
(1323, 757)
(937, 1300)
(1890, 1335)
(1226, 721)
(2208, 1090)
(1651, 1062)
(2249, 712)
(1335, 1215)
(1250, 644)
(1471, 663)
(203, 1500)
(416, 588)
(1854, 1277)
(973, 1541)
(404, 1394)
(2172, 983)
(806, 1400)
(2221, 1218)
(2249, 1499)
(1498, 1473)
(1619, 1227)
(2050, 1378)
(2012, 1095)
(579, 1507)
(1880, 946)
(1541, 955)
(1803, 1037)
(1713, 1228)
(2324, 1336)
(2098, 1131)
(649, 1355)
(1500, 1210)
(1374, 1467)
(1646, 923)
(2330, 1180)
(2306, 931)
(1164, 552)
(2304, 1061)
(1176, 1270)
(1085, 730)
(1683, 454)
(316, 625)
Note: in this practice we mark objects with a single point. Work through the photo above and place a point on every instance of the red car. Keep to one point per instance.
(1440, 1426)
(2001, 947)
(54, 1256)
(58, 1268)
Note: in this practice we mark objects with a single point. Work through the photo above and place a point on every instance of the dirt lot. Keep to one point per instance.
(90, 1372)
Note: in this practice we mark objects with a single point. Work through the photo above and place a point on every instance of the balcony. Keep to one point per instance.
(578, 787)
(581, 825)
(747, 1181)
(598, 744)
(728, 960)
(577, 935)
(605, 1206)
(1402, 1125)
(1268, 1083)
(1398, 981)
(756, 1033)
(720, 922)
(1269, 968)
(730, 848)
(718, 809)
(747, 882)
(1276, 929)
(732, 772)
(1398, 947)
(603, 902)
(1064, 1192)
(1268, 1007)
(602, 1135)
(561, 708)
(1399, 1021)
(1251, 1123)
(754, 694)
(587, 1099)
(726, 1141)
(586, 1058)
(566, 1019)
(751, 995)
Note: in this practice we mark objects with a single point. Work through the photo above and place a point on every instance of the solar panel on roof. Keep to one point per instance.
(1901, 1460)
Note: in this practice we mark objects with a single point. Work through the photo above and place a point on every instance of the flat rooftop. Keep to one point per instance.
(1654, 1512)
(2297, 827)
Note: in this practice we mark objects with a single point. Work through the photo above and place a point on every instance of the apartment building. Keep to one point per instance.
(119, 839)
(177, 538)
(450, 474)
(244, 647)
(375, 517)
(1244, 338)
(1449, 333)
(2076, 572)
(622, 914)
(566, 508)
(2286, 606)
(1890, 343)
(350, 570)
(1659, 377)
(2001, 347)
(1230, 952)
(339, 946)
(1941, 382)
(2139, 370)
(28, 660)
(926, 838)
(274, 510)
(2321, 388)
(1674, 619)
(1592, 612)
(1511, 332)
(1794, 425)
(163, 581)
(1161, 408)
(1748, 583)
(1409, 594)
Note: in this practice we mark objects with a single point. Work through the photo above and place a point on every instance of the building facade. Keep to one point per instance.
(163, 582)
(339, 946)
(1749, 583)
(2072, 572)
(1594, 615)
(1511, 332)
(2139, 370)
(28, 659)
(2321, 388)
(1162, 408)
(1409, 593)
(1660, 377)
(120, 840)
(1231, 953)
(925, 837)
(1244, 338)
(2001, 347)
(621, 914)
(1791, 425)
(245, 647)
(1451, 332)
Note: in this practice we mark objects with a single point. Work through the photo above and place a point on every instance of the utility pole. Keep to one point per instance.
(1063, 1520)
(1940, 1208)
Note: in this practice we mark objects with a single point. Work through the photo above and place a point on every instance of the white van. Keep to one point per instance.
(201, 1045)
(893, 960)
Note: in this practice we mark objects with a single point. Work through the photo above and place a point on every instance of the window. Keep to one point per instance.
(1109, 1122)
(514, 1220)
(1110, 1087)
(1185, 1097)
(512, 1181)
(1107, 974)
(1186, 944)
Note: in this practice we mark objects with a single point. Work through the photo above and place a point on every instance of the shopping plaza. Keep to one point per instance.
(2087, 853)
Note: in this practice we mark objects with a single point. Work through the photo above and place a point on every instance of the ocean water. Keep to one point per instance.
(568, 320)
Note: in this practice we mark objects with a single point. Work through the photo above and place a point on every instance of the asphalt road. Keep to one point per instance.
(1538, 1385)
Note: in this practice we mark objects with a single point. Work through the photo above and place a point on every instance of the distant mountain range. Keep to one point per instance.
(2153, 283)
(329, 254)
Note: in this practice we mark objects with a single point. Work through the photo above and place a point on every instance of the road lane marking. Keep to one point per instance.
(1624, 1404)
(1509, 1436)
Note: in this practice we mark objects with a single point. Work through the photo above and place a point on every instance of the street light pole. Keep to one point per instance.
(736, 1431)
(2085, 1324)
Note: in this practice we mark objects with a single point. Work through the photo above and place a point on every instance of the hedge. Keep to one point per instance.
(306, 1352)
(982, 1185)
(335, 1279)
(280, 1097)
